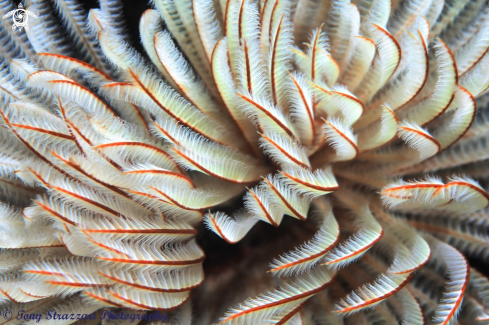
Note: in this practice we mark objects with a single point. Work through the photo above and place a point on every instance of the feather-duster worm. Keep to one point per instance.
(366, 121)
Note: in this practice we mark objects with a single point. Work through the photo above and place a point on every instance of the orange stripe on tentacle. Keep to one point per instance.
(63, 242)
(79, 133)
(248, 66)
(262, 207)
(82, 171)
(240, 20)
(143, 231)
(285, 153)
(282, 198)
(416, 267)
(319, 88)
(179, 87)
(226, 11)
(308, 109)
(249, 147)
(34, 151)
(280, 302)
(363, 249)
(74, 128)
(274, 53)
(148, 92)
(443, 110)
(116, 84)
(219, 230)
(87, 285)
(410, 186)
(299, 52)
(45, 272)
(270, 115)
(477, 61)
(164, 108)
(365, 38)
(396, 43)
(272, 14)
(291, 313)
(423, 135)
(462, 291)
(373, 301)
(146, 306)
(324, 251)
(472, 98)
(58, 215)
(42, 246)
(163, 172)
(315, 43)
(476, 188)
(56, 134)
(9, 93)
(313, 186)
(174, 201)
(138, 144)
(89, 201)
(139, 286)
(166, 134)
(104, 300)
(8, 296)
(207, 171)
(130, 143)
(82, 63)
(154, 197)
(31, 295)
(105, 246)
(148, 195)
(455, 68)
(147, 262)
(68, 125)
(343, 136)
(24, 216)
(332, 59)
(442, 187)
(353, 98)
(425, 74)
(140, 115)
(109, 109)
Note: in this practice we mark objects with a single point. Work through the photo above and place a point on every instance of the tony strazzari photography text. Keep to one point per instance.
(106, 314)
